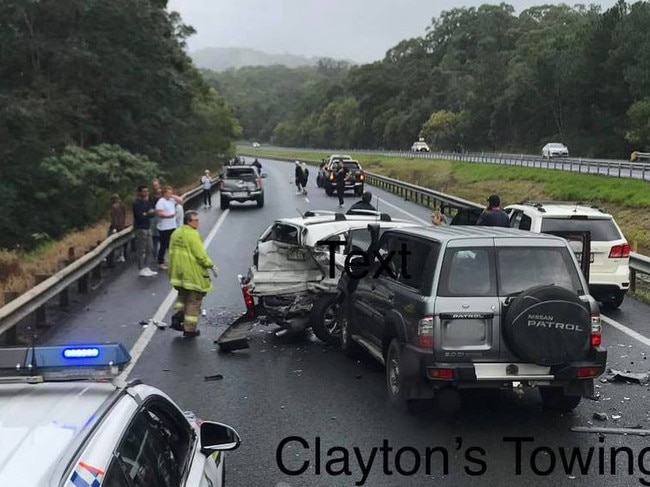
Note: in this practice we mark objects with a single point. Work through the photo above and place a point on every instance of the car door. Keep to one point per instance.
(371, 295)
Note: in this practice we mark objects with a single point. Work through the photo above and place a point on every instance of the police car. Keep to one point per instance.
(66, 419)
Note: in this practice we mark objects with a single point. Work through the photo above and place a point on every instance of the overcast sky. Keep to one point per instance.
(357, 30)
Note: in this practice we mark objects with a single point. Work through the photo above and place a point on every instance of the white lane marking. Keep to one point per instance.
(626, 330)
(403, 211)
(146, 336)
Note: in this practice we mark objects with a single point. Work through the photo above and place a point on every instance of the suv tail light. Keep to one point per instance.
(620, 251)
(425, 331)
(362, 176)
(331, 176)
(258, 183)
(596, 327)
(248, 300)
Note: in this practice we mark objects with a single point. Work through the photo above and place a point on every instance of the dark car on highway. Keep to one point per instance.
(241, 184)
(355, 181)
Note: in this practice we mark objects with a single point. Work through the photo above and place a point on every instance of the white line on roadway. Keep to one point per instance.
(403, 211)
(626, 330)
(147, 334)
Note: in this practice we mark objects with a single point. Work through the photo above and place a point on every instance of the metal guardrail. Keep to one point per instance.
(24, 305)
(638, 263)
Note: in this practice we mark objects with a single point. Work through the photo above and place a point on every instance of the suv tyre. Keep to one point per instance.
(395, 380)
(548, 325)
(614, 301)
(224, 203)
(554, 398)
(325, 319)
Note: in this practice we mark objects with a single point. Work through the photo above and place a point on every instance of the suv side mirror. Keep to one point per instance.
(263, 175)
(218, 436)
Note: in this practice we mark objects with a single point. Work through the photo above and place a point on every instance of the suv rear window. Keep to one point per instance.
(471, 272)
(240, 172)
(521, 268)
(601, 229)
(351, 164)
(282, 233)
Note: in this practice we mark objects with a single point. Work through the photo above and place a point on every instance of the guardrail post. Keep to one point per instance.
(11, 335)
(40, 314)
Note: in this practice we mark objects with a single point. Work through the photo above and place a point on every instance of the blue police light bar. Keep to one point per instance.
(86, 355)
(64, 362)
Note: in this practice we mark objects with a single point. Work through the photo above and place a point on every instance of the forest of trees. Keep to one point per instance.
(479, 79)
(96, 97)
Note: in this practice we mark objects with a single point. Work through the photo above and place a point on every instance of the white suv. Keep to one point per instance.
(609, 272)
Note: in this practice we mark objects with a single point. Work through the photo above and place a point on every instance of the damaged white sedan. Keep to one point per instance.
(294, 276)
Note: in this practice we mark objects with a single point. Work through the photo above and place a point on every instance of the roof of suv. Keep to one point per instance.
(563, 209)
(444, 233)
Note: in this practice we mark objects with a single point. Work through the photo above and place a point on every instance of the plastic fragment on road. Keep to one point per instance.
(630, 377)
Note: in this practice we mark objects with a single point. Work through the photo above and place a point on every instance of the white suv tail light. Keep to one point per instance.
(596, 328)
(620, 251)
(425, 331)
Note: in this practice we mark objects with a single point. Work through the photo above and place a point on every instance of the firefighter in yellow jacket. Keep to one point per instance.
(189, 267)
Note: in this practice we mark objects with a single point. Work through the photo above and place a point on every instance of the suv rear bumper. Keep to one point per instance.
(234, 196)
(416, 362)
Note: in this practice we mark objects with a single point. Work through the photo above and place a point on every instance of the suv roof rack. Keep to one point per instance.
(540, 204)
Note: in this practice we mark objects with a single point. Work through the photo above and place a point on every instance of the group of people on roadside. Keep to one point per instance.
(155, 217)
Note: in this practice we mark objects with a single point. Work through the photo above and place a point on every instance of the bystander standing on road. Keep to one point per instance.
(154, 196)
(143, 213)
(305, 177)
(189, 266)
(166, 213)
(494, 216)
(206, 182)
(297, 174)
(118, 223)
(341, 177)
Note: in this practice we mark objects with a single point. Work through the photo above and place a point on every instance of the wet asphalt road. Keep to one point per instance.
(308, 416)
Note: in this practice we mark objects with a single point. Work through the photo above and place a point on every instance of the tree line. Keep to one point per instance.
(479, 79)
(97, 97)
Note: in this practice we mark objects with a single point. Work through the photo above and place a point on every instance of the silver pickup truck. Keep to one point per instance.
(241, 183)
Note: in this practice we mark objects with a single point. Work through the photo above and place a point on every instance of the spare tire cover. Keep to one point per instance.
(548, 325)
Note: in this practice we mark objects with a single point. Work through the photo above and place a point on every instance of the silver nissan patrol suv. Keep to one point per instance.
(453, 307)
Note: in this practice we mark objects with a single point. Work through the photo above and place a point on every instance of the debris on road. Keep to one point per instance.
(601, 416)
(213, 377)
(614, 431)
(629, 377)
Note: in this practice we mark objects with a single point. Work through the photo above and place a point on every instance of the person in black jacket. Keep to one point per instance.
(298, 178)
(494, 216)
(341, 176)
(363, 204)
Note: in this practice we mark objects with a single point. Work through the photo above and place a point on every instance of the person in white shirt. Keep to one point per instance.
(206, 181)
(166, 212)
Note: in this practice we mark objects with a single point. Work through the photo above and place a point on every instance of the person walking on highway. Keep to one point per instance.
(257, 164)
(363, 204)
(206, 182)
(493, 215)
(341, 176)
(143, 214)
(189, 266)
(305, 176)
(297, 174)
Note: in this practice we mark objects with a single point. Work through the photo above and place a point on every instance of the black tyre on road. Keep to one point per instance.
(325, 319)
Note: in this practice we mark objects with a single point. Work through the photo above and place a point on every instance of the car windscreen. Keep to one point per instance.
(520, 268)
(601, 229)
